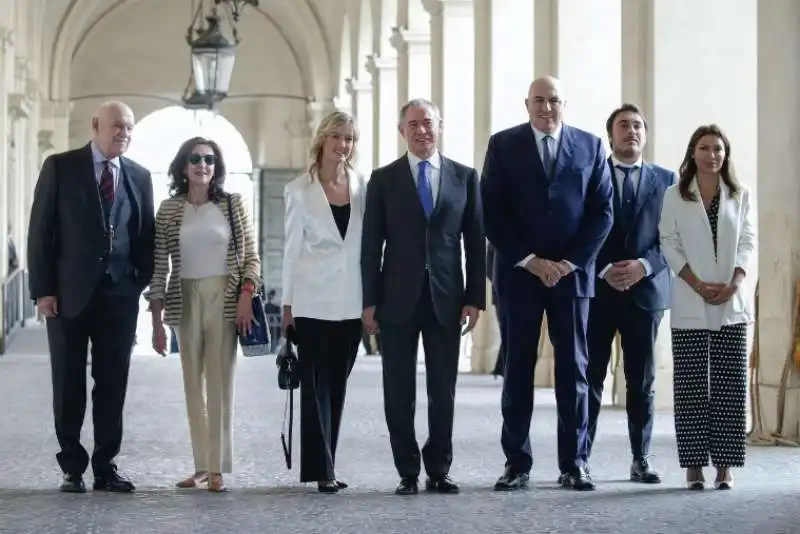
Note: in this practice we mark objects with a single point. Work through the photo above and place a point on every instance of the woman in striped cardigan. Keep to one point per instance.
(206, 299)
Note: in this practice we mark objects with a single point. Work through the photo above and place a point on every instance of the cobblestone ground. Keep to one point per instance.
(265, 497)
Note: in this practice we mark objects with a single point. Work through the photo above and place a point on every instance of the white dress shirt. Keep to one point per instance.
(636, 177)
(553, 149)
(434, 174)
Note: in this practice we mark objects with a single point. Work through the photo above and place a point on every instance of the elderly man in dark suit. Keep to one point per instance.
(633, 286)
(547, 209)
(90, 255)
(420, 207)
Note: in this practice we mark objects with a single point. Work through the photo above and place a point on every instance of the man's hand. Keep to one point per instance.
(368, 318)
(549, 272)
(469, 316)
(623, 275)
(47, 306)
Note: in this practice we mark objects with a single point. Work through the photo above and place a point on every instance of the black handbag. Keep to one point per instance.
(288, 379)
(256, 342)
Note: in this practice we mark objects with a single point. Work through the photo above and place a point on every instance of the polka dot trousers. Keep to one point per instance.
(710, 388)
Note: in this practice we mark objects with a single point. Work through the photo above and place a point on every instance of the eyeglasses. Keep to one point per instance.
(210, 159)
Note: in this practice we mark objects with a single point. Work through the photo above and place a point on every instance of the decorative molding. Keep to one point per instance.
(19, 107)
(45, 140)
(355, 86)
(376, 63)
(402, 39)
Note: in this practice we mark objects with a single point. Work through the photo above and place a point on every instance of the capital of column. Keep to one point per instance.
(356, 86)
(21, 69)
(375, 64)
(19, 106)
(318, 110)
(403, 40)
(441, 7)
(45, 140)
(6, 39)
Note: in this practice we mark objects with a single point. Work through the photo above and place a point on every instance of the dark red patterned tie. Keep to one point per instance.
(107, 184)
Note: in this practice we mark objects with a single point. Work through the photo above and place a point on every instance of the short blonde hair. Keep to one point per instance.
(326, 127)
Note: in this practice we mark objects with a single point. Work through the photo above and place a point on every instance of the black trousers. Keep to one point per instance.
(609, 314)
(327, 351)
(399, 344)
(109, 321)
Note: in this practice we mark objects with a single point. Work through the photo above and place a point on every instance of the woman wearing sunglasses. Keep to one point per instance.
(206, 299)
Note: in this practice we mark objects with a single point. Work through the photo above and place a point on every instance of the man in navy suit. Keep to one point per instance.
(547, 195)
(633, 285)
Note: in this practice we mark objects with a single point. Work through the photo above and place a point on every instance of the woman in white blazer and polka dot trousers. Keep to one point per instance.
(709, 238)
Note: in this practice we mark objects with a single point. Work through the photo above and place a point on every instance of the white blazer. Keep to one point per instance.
(322, 271)
(686, 238)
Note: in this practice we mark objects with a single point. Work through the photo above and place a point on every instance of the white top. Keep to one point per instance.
(322, 271)
(204, 241)
(686, 238)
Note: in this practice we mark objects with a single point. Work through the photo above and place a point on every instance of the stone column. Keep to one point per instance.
(453, 74)
(18, 113)
(362, 110)
(659, 41)
(501, 84)
(383, 70)
(413, 65)
(33, 159)
(6, 86)
(779, 219)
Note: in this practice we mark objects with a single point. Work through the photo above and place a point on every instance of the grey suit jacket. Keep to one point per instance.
(393, 276)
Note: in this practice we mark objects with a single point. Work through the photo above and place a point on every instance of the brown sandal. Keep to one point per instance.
(215, 483)
(199, 477)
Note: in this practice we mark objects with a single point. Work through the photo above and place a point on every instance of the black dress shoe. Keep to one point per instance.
(511, 480)
(441, 484)
(642, 472)
(407, 486)
(112, 481)
(579, 480)
(329, 486)
(72, 484)
(340, 484)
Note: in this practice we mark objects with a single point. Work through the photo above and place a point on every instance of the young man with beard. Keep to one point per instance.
(633, 285)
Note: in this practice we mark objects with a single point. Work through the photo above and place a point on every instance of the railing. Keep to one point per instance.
(17, 306)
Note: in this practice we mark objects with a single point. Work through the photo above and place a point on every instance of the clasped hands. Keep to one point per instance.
(548, 271)
(716, 293)
(625, 274)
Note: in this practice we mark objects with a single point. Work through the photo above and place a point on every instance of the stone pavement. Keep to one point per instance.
(266, 498)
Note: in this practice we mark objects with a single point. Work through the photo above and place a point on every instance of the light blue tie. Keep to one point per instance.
(424, 187)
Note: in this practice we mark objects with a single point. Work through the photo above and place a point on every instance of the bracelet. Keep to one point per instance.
(248, 287)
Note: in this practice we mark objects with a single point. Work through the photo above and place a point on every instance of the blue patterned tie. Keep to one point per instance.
(628, 196)
(424, 187)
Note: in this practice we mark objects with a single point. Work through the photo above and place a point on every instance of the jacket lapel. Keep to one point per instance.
(408, 188)
(321, 206)
(647, 186)
(564, 150)
(88, 184)
(531, 149)
(446, 177)
(126, 180)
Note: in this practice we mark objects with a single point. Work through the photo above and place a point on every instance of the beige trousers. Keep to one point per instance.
(208, 357)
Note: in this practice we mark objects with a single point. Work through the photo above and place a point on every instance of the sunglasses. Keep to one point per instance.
(210, 159)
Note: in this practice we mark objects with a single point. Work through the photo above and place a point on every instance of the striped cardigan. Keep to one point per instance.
(168, 250)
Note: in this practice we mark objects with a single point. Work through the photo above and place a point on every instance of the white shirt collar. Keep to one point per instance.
(435, 160)
(615, 162)
(540, 135)
(99, 158)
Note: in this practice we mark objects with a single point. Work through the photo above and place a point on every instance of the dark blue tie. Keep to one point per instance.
(547, 156)
(628, 196)
(424, 187)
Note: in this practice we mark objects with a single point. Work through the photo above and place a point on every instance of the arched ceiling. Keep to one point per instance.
(309, 27)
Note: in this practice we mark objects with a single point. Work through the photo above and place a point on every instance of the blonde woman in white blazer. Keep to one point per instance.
(322, 289)
(709, 238)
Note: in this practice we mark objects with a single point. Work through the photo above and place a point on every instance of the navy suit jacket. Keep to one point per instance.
(566, 218)
(641, 240)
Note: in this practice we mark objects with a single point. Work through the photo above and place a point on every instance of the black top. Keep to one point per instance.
(341, 215)
(712, 211)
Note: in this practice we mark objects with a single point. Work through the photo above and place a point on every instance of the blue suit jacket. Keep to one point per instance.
(566, 218)
(641, 240)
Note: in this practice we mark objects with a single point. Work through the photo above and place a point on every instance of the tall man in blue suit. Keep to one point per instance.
(633, 285)
(547, 195)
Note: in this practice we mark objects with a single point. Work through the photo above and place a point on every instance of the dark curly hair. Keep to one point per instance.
(688, 167)
(177, 169)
